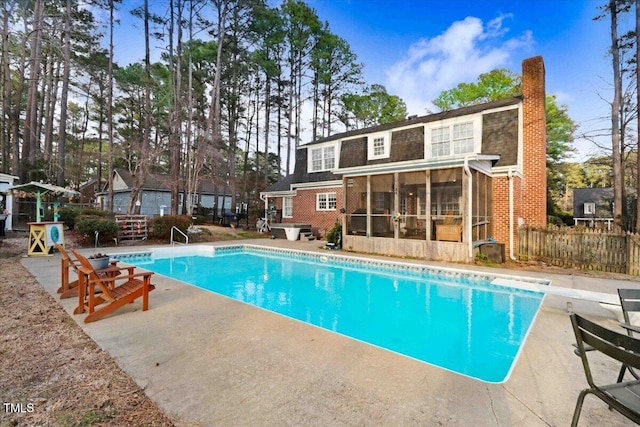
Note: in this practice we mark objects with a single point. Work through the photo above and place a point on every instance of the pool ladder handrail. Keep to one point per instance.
(186, 238)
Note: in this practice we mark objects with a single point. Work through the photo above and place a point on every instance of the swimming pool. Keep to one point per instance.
(458, 321)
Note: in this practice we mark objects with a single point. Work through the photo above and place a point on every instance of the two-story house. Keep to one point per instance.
(430, 186)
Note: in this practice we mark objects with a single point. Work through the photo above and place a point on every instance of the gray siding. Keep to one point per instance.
(500, 136)
(407, 144)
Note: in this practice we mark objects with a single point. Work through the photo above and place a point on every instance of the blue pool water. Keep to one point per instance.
(467, 326)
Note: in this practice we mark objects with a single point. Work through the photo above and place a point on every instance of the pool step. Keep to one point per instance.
(307, 235)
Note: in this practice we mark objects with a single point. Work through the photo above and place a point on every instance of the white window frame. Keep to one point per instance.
(442, 201)
(440, 141)
(449, 145)
(589, 208)
(326, 202)
(374, 150)
(422, 203)
(287, 206)
(322, 158)
(460, 138)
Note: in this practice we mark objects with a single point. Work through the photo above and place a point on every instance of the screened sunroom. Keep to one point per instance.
(435, 205)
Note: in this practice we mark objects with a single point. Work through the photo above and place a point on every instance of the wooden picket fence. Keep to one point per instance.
(586, 249)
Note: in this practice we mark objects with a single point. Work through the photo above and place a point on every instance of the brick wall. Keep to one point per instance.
(530, 190)
(304, 209)
(534, 184)
(500, 220)
(500, 223)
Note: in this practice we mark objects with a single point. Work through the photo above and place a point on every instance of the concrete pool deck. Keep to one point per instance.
(209, 360)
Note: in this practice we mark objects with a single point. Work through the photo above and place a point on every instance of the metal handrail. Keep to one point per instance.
(186, 238)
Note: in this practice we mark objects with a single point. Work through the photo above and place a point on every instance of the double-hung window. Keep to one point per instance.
(440, 142)
(463, 138)
(287, 207)
(379, 146)
(445, 200)
(322, 159)
(316, 159)
(326, 201)
(455, 138)
(329, 157)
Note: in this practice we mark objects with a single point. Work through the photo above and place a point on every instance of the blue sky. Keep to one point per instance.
(417, 49)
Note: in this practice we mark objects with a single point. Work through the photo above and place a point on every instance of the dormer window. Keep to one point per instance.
(463, 138)
(378, 146)
(440, 142)
(455, 138)
(322, 158)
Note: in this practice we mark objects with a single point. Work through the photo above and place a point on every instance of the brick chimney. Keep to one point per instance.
(534, 182)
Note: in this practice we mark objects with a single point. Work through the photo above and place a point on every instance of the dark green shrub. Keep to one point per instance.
(161, 225)
(88, 225)
(68, 215)
(334, 234)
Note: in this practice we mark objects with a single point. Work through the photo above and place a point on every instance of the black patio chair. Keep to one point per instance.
(624, 397)
(630, 302)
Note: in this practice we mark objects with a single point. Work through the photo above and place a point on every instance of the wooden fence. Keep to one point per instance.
(586, 249)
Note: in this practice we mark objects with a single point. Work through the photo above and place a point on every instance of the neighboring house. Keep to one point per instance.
(88, 192)
(593, 207)
(430, 186)
(156, 194)
(6, 201)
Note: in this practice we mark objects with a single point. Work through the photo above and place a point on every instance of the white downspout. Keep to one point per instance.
(469, 207)
(265, 199)
(510, 176)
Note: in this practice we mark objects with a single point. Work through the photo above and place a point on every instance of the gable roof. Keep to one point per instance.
(283, 184)
(162, 182)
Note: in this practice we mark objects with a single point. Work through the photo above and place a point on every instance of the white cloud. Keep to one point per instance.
(461, 53)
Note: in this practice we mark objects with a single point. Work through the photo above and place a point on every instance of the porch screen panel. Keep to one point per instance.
(481, 226)
(413, 192)
(446, 204)
(381, 205)
(356, 205)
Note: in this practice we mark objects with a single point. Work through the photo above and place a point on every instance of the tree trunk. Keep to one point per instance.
(141, 167)
(110, 110)
(290, 111)
(279, 126)
(615, 120)
(173, 168)
(31, 119)
(62, 135)
(637, 121)
(267, 117)
(16, 161)
(52, 99)
(5, 136)
(215, 113)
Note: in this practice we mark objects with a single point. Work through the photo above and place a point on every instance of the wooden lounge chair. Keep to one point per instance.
(623, 397)
(68, 289)
(113, 294)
